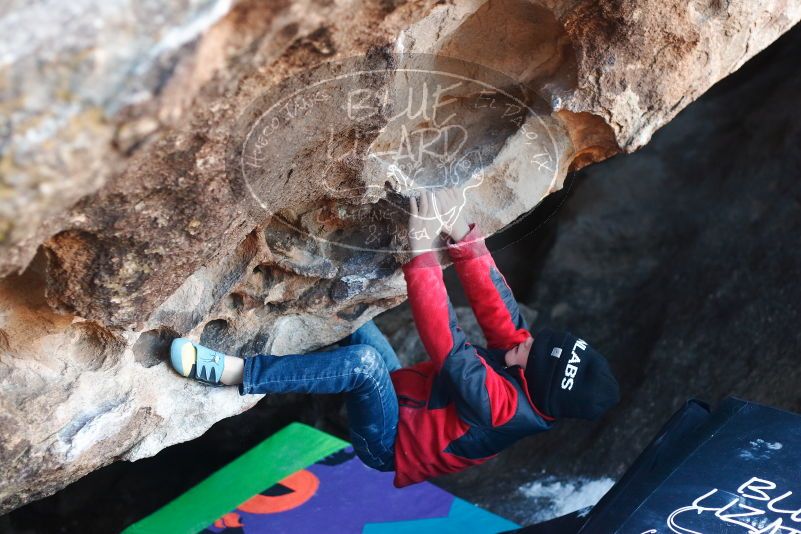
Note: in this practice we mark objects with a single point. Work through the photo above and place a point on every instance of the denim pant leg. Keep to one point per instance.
(369, 334)
(356, 370)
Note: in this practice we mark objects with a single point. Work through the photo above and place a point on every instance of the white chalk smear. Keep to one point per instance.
(760, 449)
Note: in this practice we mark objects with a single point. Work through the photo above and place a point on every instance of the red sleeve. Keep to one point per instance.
(431, 307)
(492, 301)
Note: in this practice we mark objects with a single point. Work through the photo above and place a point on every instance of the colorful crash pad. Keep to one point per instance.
(302, 480)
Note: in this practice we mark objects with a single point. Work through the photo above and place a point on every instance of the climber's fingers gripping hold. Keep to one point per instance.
(423, 224)
(450, 204)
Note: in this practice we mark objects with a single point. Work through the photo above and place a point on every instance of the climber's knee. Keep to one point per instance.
(368, 361)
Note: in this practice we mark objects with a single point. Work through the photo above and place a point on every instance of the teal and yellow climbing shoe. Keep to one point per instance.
(196, 361)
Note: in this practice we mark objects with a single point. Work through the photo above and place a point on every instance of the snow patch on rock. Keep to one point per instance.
(552, 497)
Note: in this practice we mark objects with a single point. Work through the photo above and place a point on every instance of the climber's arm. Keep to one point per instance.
(490, 297)
(431, 308)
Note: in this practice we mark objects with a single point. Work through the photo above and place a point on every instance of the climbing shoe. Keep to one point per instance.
(196, 361)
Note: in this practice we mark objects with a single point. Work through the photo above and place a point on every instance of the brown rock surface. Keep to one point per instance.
(149, 234)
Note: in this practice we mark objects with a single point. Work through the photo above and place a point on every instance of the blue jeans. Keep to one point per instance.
(360, 369)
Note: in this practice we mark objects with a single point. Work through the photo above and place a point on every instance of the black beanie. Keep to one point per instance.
(568, 378)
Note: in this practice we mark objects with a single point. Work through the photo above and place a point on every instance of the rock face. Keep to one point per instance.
(120, 157)
(79, 90)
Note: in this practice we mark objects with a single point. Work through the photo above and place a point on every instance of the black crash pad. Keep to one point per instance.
(737, 469)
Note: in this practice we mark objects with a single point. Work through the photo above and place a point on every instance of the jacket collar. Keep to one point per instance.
(517, 372)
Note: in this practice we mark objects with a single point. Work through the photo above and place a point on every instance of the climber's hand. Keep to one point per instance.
(424, 227)
(448, 206)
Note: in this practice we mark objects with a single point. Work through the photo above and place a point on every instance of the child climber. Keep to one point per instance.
(460, 408)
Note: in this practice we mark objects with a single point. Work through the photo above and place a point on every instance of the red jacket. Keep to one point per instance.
(463, 406)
